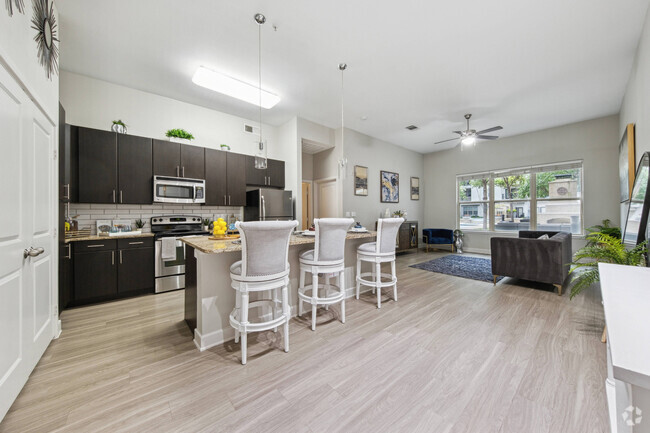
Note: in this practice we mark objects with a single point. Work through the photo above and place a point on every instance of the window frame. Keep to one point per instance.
(533, 200)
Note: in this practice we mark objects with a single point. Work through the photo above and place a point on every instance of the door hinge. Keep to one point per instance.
(54, 233)
(54, 153)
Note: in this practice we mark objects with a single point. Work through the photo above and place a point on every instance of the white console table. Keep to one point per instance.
(626, 298)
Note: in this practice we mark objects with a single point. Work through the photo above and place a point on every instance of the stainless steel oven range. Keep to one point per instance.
(170, 252)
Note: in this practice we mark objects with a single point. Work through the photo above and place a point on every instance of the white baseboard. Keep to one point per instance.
(57, 332)
(476, 251)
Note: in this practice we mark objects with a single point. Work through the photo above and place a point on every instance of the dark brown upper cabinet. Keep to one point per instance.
(135, 176)
(272, 176)
(113, 168)
(97, 166)
(178, 160)
(225, 178)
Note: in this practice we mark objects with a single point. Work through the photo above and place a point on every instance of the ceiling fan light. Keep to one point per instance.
(468, 141)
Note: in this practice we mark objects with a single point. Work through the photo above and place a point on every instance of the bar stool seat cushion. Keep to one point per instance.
(235, 268)
(307, 255)
(369, 247)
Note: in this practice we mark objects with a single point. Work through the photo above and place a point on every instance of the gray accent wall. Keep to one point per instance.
(595, 142)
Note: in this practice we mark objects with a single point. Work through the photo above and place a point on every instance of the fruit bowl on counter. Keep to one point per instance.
(221, 231)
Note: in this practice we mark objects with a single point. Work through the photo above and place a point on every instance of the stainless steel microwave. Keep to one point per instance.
(178, 190)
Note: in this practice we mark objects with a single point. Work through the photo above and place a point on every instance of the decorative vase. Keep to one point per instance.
(458, 243)
(120, 129)
(179, 140)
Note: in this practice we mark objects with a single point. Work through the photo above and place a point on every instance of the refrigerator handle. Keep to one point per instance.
(263, 208)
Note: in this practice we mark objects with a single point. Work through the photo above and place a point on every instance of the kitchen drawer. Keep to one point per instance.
(99, 245)
(124, 244)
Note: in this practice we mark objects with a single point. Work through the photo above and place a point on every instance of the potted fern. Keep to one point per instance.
(179, 136)
(602, 248)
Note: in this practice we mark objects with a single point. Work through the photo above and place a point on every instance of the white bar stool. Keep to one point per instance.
(264, 267)
(327, 257)
(377, 253)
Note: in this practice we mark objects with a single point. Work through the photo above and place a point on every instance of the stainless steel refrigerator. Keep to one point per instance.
(267, 204)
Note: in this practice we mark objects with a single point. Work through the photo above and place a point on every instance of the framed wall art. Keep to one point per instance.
(389, 187)
(626, 162)
(360, 180)
(415, 188)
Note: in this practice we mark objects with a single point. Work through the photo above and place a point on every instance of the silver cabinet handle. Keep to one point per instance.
(120, 257)
(269, 180)
(33, 252)
(113, 196)
(112, 258)
(94, 246)
(183, 175)
(224, 199)
(66, 191)
(69, 255)
(228, 200)
(120, 196)
(178, 174)
(136, 243)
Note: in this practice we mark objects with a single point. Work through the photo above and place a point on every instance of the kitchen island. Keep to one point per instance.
(209, 299)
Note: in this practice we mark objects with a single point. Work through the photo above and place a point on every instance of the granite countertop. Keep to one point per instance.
(208, 246)
(103, 238)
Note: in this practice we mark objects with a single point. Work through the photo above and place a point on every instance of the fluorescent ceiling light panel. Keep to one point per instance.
(232, 87)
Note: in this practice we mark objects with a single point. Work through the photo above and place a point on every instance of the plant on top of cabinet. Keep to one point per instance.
(179, 136)
(119, 127)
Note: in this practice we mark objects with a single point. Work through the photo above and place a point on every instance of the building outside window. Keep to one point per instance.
(545, 198)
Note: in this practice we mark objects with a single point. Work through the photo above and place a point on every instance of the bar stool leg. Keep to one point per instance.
(275, 306)
(238, 307)
(244, 322)
(314, 297)
(378, 283)
(341, 283)
(302, 286)
(374, 278)
(358, 275)
(392, 271)
(327, 290)
(287, 315)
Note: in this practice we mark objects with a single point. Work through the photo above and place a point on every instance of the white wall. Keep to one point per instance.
(595, 142)
(378, 155)
(307, 166)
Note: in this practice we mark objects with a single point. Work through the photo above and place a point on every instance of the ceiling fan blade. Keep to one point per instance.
(444, 141)
(494, 128)
(487, 137)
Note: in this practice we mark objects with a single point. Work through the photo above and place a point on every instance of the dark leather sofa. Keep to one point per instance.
(530, 258)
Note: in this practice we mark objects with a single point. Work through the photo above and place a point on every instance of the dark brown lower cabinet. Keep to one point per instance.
(111, 269)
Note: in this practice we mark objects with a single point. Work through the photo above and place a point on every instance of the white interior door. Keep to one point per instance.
(327, 199)
(27, 221)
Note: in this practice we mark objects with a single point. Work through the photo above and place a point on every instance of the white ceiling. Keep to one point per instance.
(521, 64)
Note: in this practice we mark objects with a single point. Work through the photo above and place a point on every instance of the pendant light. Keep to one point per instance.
(343, 162)
(261, 148)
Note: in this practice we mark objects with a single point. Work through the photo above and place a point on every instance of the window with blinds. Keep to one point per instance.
(542, 197)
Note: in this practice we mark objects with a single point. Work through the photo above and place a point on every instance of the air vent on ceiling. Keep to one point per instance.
(255, 130)
(411, 127)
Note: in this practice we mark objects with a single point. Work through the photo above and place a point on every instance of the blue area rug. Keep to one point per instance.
(474, 268)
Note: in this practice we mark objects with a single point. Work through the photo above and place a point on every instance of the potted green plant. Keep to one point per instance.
(118, 126)
(179, 136)
(399, 214)
(206, 224)
(605, 228)
(139, 223)
(601, 248)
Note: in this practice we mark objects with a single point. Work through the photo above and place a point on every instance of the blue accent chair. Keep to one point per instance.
(438, 237)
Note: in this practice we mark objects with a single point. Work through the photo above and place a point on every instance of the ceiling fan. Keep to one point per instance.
(469, 136)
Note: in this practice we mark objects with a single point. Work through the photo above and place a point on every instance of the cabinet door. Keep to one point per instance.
(95, 275)
(65, 276)
(136, 270)
(403, 237)
(97, 166)
(192, 162)
(166, 158)
(275, 173)
(236, 179)
(216, 189)
(254, 176)
(135, 169)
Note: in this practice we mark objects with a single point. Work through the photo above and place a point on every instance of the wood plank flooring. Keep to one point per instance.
(453, 355)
